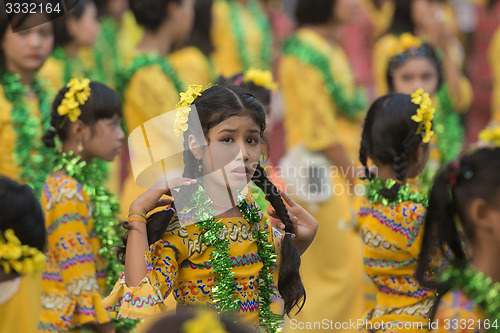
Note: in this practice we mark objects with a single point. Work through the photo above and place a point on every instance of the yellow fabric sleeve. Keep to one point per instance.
(192, 65)
(149, 94)
(162, 261)
(310, 111)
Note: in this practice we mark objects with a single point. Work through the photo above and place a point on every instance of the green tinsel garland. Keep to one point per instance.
(106, 55)
(482, 290)
(405, 193)
(224, 292)
(262, 21)
(70, 65)
(105, 208)
(349, 107)
(450, 135)
(30, 155)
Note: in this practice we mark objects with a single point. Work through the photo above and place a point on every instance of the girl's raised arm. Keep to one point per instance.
(137, 241)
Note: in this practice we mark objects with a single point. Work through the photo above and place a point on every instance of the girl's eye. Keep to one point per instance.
(227, 140)
(253, 141)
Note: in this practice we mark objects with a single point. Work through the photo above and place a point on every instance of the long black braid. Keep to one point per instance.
(389, 137)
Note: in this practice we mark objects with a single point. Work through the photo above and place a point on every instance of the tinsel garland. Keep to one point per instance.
(69, 65)
(405, 193)
(449, 133)
(307, 53)
(105, 207)
(481, 289)
(30, 155)
(106, 55)
(224, 290)
(262, 21)
(447, 126)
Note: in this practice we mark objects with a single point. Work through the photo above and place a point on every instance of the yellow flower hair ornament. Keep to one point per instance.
(405, 42)
(205, 321)
(183, 107)
(260, 78)
(491, 135)
(425, 114)
(14, 256)
(77, 95)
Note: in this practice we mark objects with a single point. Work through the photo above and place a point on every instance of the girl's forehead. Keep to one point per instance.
(239, 123)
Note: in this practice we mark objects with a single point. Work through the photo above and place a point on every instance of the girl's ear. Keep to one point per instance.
(195, 147)
(479, 213)
(72, 26)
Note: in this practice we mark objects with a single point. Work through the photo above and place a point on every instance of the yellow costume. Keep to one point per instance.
(178, 264)
(8, 136)
(393, 238)
(235, 24)
(58, 69)
(312, 118)
(457, 313)
(493, 53)
(20, 304)
(75, 274)
(148, 93)
(193, 66)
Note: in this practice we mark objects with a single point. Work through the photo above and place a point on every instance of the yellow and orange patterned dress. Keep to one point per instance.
(393, 237)
(178, 264)
(458, 314)
(75, 274)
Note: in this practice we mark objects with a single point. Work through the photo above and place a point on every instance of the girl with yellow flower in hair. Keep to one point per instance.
(395, 140)
(22, 240)
(81, 215)
(415, 64)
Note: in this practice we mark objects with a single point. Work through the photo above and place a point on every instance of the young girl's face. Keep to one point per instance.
(27, 50)
(234, 146)
(415, 73)
(103, 140)
(84, 30)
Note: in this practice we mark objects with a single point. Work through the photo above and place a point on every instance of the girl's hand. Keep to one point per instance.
(152, 198)
(304, 224)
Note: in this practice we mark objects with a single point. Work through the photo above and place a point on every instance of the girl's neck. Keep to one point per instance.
(26, 76)
(329, 32)
(224, 200)
(71, 50)
(68, 146)
(159, 42)
(386, 172)
(485, 260)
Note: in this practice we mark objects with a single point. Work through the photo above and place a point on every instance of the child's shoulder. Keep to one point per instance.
(61, 186)
(455, 304)
(402, 208)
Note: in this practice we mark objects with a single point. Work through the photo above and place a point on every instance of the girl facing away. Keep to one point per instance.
(395, 139)
(226, 261)
(464, 218)
(22, 241)
(80, 213)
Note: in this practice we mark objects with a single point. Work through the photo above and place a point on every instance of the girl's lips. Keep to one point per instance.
(240, 172)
